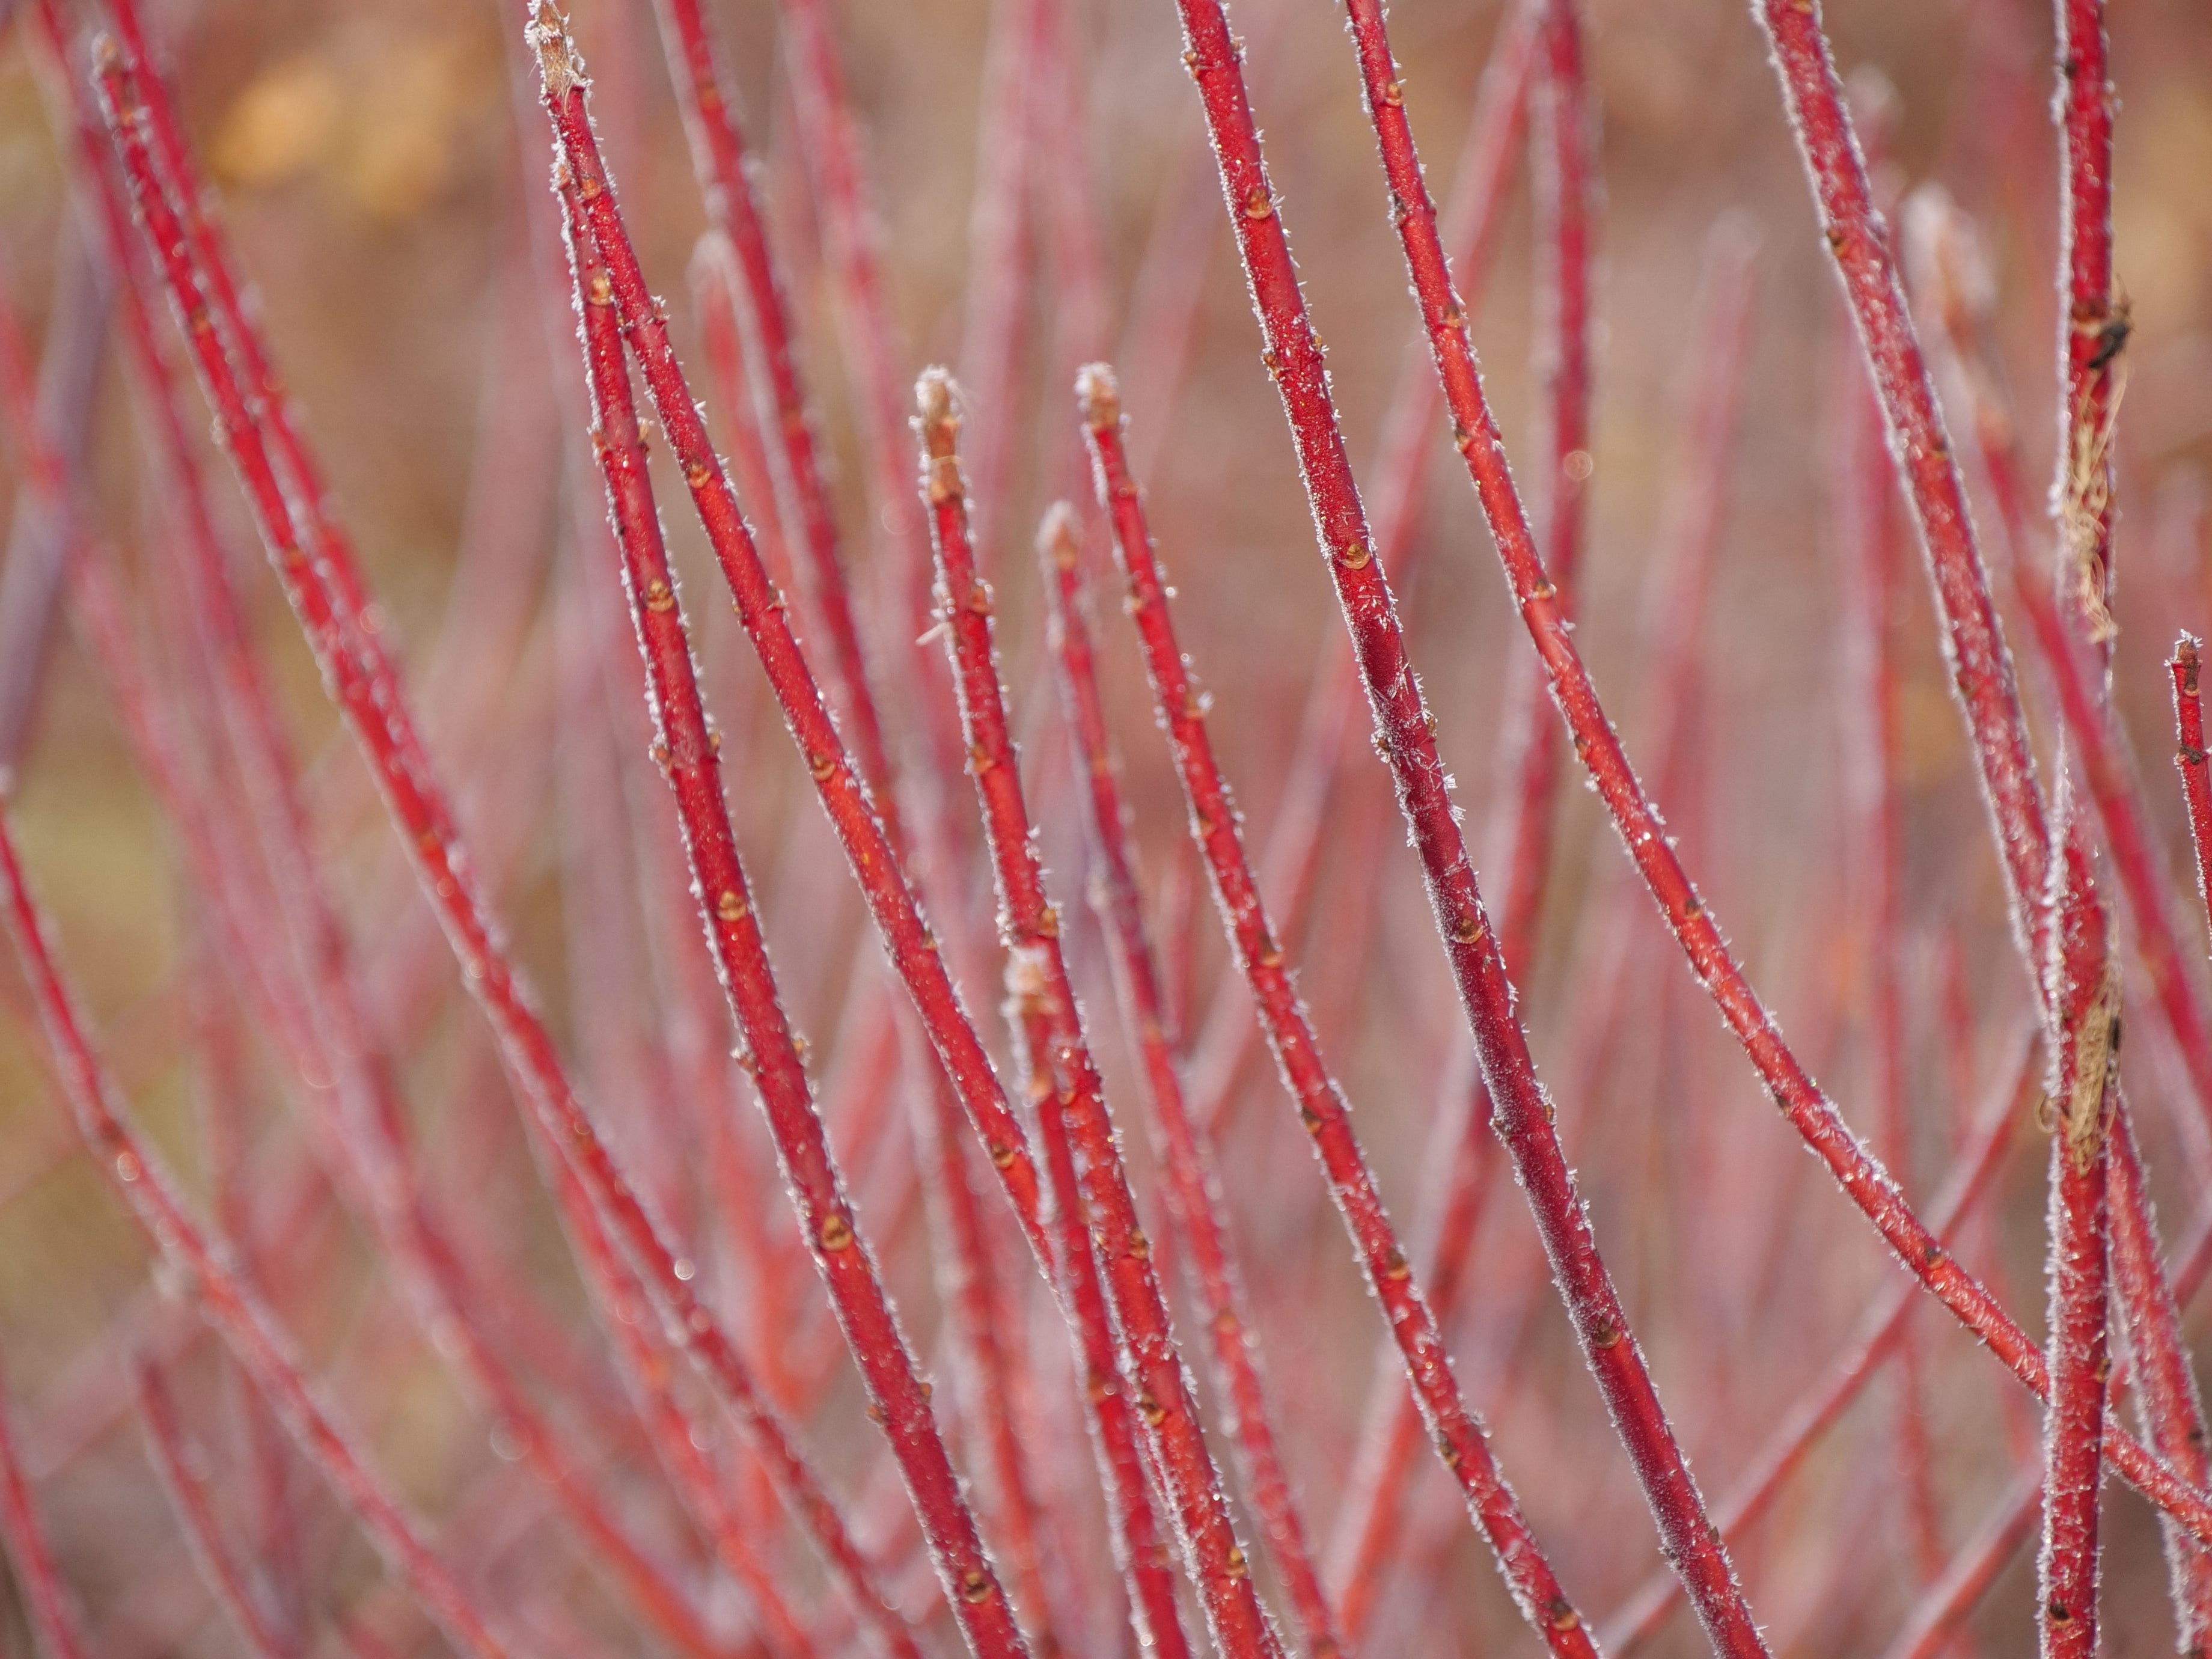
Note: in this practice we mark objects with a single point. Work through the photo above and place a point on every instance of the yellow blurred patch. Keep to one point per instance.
(2161, 220)
(1928, 732)
(412, 97)
(281, 125)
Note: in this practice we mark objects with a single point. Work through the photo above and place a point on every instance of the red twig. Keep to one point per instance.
(1951, 1597)
(271, 403)
(912, 946)
(910, 942)
(1461, 1440)
(333, 1040)
(1945, 249)
(1858, 238)
(1566, 199)
(149, 1192)
(48, 1606)
(745, 268)
(1002, 246)
(1983, 671)
(1764, 1476)
(2187, 669)
(719, 158)
(2169, 1406)
(1694, 517)
(2167, 1402)
(1866, 538)
(2083, 994)
(896, 1396)
(1194, 1189)
(831, 143)
(1062, 1079)
(1405, 737)
(2093, 322)
(325, 591)
(1404, 453)
(187, 1485)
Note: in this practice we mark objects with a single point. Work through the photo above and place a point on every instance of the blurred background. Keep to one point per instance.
(384, 181)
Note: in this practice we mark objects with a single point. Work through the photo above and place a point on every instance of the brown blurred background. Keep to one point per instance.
(372, 174)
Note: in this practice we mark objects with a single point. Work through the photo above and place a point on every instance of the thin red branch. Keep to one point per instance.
(1693, 517)
(1936, 1618)
(1866, 538)
(187, 1485)
(1858, 238)
(1405, 737)
(259, 1343)
(1565, 200)
(744, 265)
(2167, 1404)
(1003, 236)
(2186, 668)
(1946, 250)
(324, 589)
(1099, 1220)
(897, 1398)
(1753, 1491)
(1404, 453)
(1459, 1438)
(1982, 668)
(1183, 1153)
(911, 944)
(2093, 322)
(2084, 991)
(719, 158)
(48, 1606)
(333, 1040)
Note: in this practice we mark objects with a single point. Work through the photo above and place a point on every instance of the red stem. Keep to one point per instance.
(2093, 325)
(318, 578)
(187, 1487)
(1983, 670)
(149, 1192)
(48, 1606)
(1753, 1491)
(912, 946)
(1099, 1220)
(2167, 1403)
(909, 941)
(830, 139)
(1692, 519)
(1929, 1632)
(1182, 1152)
(896, 1397)
(1289, 859)
(265, 394)
(1960, 335)
(1867, 535)
(1406, 740)
(2187, 669)
(1459, 1438)
(2083, 989)
(719, 157)
(1002, 242)
(369, 1120)
(1564, 197)
(1858, 238)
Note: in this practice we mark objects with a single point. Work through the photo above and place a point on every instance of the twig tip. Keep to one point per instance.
(1099, 393)
(560, 65)
(1056, 534)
